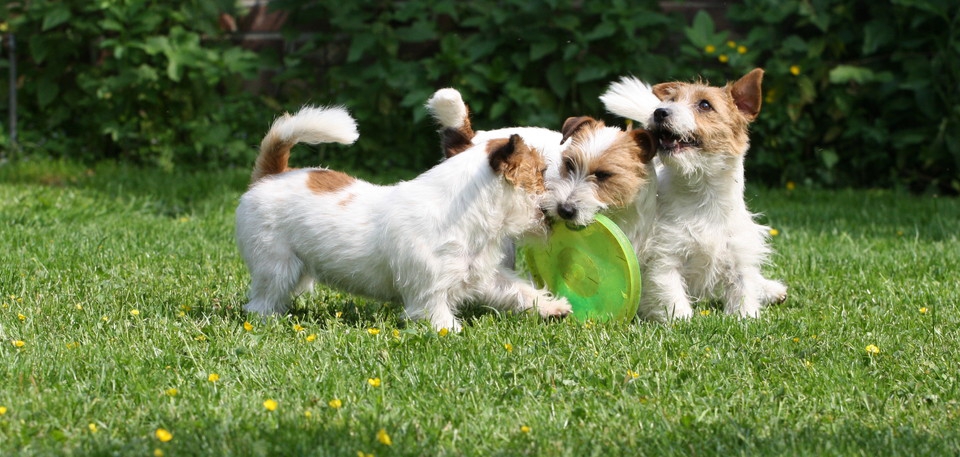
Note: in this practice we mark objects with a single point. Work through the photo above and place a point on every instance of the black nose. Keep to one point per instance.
(660, 114)
(567, 211)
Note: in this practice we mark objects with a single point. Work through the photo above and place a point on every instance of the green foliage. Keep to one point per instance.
(139, 79)
(857, 93)
(517, 62)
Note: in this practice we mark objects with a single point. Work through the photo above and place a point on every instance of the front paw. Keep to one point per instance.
(774, 292)
(554, 308)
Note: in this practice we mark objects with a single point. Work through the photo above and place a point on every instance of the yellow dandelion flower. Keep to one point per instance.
(270, 404)
(105, 319)
(338, 314)
(709, 49)
(4, 27)
(524, 429)
(373, 331)
(508, 347)
(158, 452)
(3, 410)
(741, 49)
(18, 343)
(872, 349)
(311, 337)
(298, 328)
(704, 312)
(374, 382)
(307, 414)
(632, 374)
(92, 427)
(443, 332)
(247, 326)
(21, 317)
(396, 333)
(171, 392)
(723, 58)
(213, 377)
(163, 435)
(384, 438)
(791, 185)
(795, 70)
(731, 44)
(201, 338)
(134, 312)
(923, 310)
(186, 307)
(336, 403)
(796, 340)
(363, 454)
(774, 232)
(79, 307)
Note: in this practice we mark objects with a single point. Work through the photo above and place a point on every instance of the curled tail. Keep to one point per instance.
(448, 108)
(311, 125)
(632, 99)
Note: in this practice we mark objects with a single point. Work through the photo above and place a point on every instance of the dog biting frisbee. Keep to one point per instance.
(593, 266)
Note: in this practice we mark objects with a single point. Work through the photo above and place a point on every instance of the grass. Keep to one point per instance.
(124, 287)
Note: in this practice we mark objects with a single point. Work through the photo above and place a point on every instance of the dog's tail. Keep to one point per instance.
(311, 125)
(632, 99)
(448, 108)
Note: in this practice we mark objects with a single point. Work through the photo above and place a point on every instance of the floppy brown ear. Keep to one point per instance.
(572, 124)
(747, 93)
(664, 90)
(646, 143)
(500, 150)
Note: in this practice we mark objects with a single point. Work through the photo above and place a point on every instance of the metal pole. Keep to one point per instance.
(13, 90)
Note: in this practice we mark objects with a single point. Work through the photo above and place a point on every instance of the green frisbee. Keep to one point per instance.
(594, 267)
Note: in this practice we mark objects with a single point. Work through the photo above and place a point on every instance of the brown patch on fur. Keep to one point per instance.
(619, 172)
(346, 201)
(574, 124)
(273, 158)
(454, 141)
(520, 164)
(323, 181)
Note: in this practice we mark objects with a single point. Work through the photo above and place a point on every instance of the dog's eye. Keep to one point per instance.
(569, 165)
(704, 106)
(602, 176)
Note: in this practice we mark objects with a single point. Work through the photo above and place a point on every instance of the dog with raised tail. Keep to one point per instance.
(434, 243)
(591, 167)
(705, 243)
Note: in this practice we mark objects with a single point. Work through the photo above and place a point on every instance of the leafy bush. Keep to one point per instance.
(517, 62)
(137, 79)
(857, 93)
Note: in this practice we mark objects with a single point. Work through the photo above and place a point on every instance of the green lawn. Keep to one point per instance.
(121, 292)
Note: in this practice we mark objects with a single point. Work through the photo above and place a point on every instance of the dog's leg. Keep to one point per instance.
(510, 293)
(272, 284)
(741, 293)
(664, 295)
(434, 309)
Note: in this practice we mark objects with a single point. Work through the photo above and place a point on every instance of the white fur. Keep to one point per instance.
(630, 98)
(705, 242)
(433, 243)
(635, 219)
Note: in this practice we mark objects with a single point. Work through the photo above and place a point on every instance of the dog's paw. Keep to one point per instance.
(554, 308)
(451, 325)
(773, 292)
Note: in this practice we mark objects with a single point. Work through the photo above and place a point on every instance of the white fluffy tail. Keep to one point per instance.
(632, 99)
(311, 125)
(448, 108)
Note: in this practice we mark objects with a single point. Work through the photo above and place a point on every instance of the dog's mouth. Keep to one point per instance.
(670, 143)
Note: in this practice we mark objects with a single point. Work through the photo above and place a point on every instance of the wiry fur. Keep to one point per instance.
(591, 168)
(433, 243)
(705, 243)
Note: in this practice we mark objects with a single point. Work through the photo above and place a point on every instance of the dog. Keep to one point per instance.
(591, 167)
(433, 242)
(705, 243)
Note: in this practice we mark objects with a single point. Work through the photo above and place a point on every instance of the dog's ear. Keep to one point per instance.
(664, 90)
(517, 162)
(747, 93)
(500, 151)
(646, 143)
(572, 124)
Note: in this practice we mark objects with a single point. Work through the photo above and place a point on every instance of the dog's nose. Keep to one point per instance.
(567, 211)
(660, 114)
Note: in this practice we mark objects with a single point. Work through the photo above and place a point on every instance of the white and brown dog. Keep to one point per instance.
(591, 167)
(705, 243)
(433, 243)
